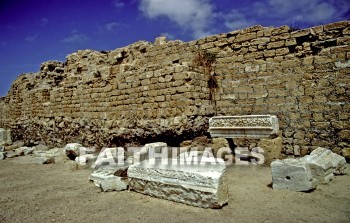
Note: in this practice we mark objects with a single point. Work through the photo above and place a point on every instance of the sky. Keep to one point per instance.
(35, 31)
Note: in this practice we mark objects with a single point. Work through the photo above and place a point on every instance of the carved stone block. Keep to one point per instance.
(244, 126)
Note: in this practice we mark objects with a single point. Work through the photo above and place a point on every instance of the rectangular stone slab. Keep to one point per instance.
(197, 185)
(244, 126)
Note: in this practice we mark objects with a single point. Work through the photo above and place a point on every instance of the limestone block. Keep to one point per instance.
(72, 150)
(346, 153)
(5, 136)
(11, 154)
(321, 167)
(196, 185)
(246, 126)
(44, 160)
(111, 177)
(41, 147)
(338, 162)
(150, 150)
(85, 161)
(28, 150)
(19, 151)
(2, 155)
(272, 149)
(292, 174)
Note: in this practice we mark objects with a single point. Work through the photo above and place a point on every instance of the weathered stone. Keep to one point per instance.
(321, 167)
(19, 151)
(292, 174)
(44, 160)
(337, 162)
(272, 149)
(72, 150)
(14, 146)
(85, 161)
(111, 178)
(246, 126)
(5, 136)
(41, 147)
(197, 185)
(2, 155)
(11, 154)
(346, 153)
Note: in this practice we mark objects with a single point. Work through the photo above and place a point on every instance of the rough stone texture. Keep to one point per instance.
(44, 160)
(73, 150)
(145, 92)
(110, 178)
(272, 149)
(5, 136)
(19, 151)
(2, 155)
(195, 185)
(85, 161)
(346, 153)
(336, 162)
(292, 174)
(11, 154)
(321, 167)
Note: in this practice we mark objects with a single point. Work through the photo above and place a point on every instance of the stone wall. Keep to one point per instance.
(146, 92)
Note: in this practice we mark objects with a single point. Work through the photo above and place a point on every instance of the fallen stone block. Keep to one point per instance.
(292, 174)
(338, 162)
(85, 161)
(19, 151)
(346, 154)
(243, 126)
(44, 160)
(321, 167)
(2, 155)
(28, 150)
(41, 147)
(14, 146)
(72, 150)
(196, 185)
(11, 154)
(111, 178)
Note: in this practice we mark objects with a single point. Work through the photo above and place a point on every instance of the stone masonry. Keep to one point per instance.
(146, 91)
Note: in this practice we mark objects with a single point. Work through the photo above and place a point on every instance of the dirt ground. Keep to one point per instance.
(53, 193)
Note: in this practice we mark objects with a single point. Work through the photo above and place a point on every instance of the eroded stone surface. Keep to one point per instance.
(2, 155)
(292, 174)
(196, 185)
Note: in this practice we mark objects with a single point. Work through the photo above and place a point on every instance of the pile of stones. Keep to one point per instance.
(306, 173)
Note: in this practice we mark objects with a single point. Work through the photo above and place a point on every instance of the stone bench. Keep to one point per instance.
(196, 185)
(243, 126)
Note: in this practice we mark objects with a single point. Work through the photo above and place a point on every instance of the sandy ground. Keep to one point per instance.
(53, 193)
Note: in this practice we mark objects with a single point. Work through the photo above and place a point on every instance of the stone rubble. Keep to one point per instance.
(306, 173)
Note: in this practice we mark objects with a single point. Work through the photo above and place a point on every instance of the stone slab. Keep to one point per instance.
(196, 185)
(111, 178)
(244, 126)
(2, 155)
(292, 174)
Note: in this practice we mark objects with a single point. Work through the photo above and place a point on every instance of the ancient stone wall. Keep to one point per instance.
(146, 91)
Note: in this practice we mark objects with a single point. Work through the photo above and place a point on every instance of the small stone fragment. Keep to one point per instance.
(196, 185)
(44, 160)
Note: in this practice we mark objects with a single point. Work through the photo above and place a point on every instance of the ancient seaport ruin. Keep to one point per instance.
(267, 96)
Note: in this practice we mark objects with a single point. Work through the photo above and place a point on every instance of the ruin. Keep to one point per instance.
(146, 92)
